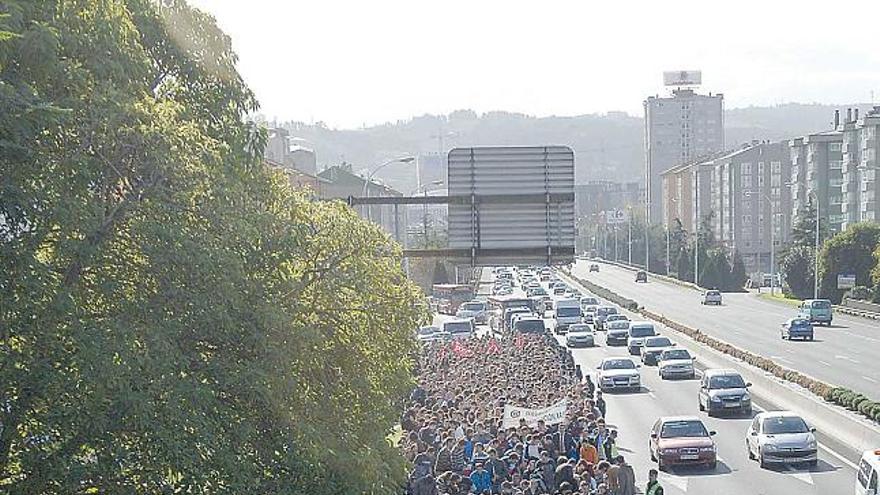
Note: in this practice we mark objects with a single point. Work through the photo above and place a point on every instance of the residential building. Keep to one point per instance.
(343, 183)
(299, 179)
(678, 130)
(680, 192)
(818, 174)
(289, 151)
(750, 206)
(593, 199)
(869, 144)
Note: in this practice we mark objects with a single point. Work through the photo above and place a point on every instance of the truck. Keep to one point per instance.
(450, 296)
(568, 312)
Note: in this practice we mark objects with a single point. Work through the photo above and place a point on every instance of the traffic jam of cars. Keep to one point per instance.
(520, 301)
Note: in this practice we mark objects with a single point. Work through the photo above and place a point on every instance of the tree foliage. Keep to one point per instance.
(174, 318)
(797, 271)
(849, 252)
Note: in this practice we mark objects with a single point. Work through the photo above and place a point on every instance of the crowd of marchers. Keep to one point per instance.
(454, 434)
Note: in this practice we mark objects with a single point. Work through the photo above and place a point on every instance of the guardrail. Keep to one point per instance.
(665, 278)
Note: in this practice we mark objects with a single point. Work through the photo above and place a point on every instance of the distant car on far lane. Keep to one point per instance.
(817, 311)
(675, 363)
(712, 296)
(601, 313)
(594, 267)
(781, 437)
(580, 335)
(641, 276)
(678, 440)
(797, 328)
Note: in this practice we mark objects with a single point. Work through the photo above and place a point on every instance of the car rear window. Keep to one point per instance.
(619, 364)
(659, 342)
(675, 354)
(472, 306)
(726, 381)
(821, 304)
(565, 312)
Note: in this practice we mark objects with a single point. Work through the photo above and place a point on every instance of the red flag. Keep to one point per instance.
(519, 342)
(493, 347)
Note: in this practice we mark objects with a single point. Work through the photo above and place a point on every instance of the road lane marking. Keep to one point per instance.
(868, 378)
(804, 476)
(847, 358)
(838, 456)
(651, 394)
(780, 358)
(823, 362)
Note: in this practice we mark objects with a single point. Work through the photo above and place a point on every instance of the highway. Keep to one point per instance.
(846, 354)
(633, 414)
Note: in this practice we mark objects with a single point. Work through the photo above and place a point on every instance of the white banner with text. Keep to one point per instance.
(551, 415)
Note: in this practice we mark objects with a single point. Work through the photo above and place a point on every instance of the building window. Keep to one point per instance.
(776, 167)
(834, 146)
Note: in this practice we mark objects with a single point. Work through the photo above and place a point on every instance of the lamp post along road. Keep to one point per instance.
(772, 240)
(366, 191)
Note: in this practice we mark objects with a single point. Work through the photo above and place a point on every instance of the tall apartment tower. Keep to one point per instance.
(678, 130)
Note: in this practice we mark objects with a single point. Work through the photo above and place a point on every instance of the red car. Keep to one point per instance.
(682, 440)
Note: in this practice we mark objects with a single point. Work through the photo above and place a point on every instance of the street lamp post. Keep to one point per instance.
(667, 239)
(647, 238)
(816, 253)
(366, 191)
(629, 235)
(697, 228)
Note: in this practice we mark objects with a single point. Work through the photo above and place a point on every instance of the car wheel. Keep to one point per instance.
(660, 466)
(749, 451)
(651, 451)
(811, 338)
(702, 408)
(782, 336)
(761, 461)
(748, 411)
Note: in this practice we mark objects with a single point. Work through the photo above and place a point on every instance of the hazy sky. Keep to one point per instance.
(350, 63)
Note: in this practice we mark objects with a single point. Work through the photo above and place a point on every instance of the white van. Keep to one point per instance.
(568, 312)
(868, 472)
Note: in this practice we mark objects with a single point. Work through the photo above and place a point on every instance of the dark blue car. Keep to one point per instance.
(797, 328)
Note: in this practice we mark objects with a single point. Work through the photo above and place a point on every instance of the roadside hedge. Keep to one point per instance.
(844, 397)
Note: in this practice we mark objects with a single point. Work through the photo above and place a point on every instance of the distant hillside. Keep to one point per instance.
(606, 146)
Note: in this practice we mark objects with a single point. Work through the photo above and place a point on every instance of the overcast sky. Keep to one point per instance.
(350, 63)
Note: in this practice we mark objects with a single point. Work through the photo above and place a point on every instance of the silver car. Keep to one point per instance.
(781, 437)
(473, 309)
(580, 335)
(675, 363)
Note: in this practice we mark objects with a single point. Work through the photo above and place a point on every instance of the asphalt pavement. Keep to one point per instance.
(633, 414)
(846, 354)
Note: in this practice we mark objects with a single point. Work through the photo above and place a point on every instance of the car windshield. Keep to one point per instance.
(619, 325)
(530, 326)
(579, 329)
(661, 342)
(678, 429)
(472, 306)
(642, 331)
(589, 301)
(675, 354)
(713, 293)
(617, 318)
(799, 323)
(618, 364)
(607, 311)
(821, 304)
(568, 312)
(539, 292)
(726, 381)
(784, 424)
(457, 327)
(427, 330)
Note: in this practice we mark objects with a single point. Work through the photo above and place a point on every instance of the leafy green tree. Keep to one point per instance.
(849, 252)
(796, 268)
(174, 318)
(875, 273)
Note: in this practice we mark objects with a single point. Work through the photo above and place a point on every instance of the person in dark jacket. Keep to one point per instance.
(444, 457)
(564, 472)
(653, 487)
(426, 485)
(600, 403)
(547, 470)
(497, 470)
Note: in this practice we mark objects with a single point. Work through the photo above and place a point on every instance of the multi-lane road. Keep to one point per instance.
(633, 414)
(846, 354)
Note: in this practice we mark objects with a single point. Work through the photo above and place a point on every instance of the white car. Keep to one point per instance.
(478, 310)
(676, 363)
(712, 296)
(618, 373)
(580, 335)
(781, 437)
(617, 332)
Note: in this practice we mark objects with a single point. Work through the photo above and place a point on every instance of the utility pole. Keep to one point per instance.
(697, 227)
(667, 249)
(816, 254)
(647, 237)
(629, 240)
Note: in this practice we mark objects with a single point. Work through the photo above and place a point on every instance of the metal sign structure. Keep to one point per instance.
(846, 281)
(521, 208)
(682, 78)
(615, 217)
